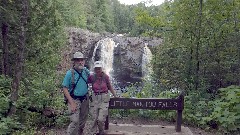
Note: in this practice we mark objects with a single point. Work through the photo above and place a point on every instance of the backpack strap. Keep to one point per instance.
(73, 83)
(80, 76)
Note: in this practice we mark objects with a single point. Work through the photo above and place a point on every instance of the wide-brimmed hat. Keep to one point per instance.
(98, 64)
(78, 55)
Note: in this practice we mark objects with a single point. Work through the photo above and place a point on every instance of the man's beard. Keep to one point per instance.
(78, 67)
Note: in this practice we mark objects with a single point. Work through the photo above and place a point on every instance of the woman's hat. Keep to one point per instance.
(98, 64)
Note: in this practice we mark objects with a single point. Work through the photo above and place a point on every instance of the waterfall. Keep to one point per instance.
(103, 51)
(146, 65)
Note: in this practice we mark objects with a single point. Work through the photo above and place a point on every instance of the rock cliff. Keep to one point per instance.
(127, 55)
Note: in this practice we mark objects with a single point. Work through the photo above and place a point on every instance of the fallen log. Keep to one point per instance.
(48, 111)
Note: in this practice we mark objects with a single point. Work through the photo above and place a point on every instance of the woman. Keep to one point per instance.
(100, 97)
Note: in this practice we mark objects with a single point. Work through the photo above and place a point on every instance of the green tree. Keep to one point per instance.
(195, 54)
(34, 38)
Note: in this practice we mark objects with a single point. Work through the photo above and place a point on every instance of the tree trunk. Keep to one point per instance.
(197, 47)
(190, 65)
(5, 50)
(20, 57)
(237, 39)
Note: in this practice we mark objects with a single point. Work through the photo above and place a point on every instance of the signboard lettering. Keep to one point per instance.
(128, 103)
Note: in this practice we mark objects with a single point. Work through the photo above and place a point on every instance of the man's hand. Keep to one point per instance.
(115, 96)
(73, 107)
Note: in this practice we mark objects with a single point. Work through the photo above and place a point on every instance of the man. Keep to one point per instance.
(75, 89)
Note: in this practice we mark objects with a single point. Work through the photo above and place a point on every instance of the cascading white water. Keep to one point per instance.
(106, 54)
(104, 51)
(146, 65)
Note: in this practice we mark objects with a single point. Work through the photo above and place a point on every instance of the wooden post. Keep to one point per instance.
(179, 120)
(107, 122)
(179, 113)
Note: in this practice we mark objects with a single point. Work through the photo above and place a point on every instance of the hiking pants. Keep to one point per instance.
(99, 111)
(79, 118)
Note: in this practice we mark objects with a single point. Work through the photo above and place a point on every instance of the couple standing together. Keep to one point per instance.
(75, 89)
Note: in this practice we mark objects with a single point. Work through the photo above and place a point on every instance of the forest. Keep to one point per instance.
(200, 56)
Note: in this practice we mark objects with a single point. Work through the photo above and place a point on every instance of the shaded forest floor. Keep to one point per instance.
(137, 121)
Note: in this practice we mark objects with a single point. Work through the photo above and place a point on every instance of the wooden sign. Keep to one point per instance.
(145, 103)
(149, 103)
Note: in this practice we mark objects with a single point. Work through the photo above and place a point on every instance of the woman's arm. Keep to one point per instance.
(112, 91)
(110, 87)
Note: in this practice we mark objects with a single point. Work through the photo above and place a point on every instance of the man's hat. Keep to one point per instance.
(78, 55)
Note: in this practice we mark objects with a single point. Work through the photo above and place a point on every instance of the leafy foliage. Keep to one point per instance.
(221, 113)
(226, 112)
(197, 53)
(7, 124)
(5, 86)
(196, 57)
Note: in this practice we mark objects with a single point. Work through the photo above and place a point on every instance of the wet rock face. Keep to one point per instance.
(128, 52)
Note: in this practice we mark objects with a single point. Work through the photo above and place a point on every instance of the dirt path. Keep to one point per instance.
(195, 131)
(137, 121)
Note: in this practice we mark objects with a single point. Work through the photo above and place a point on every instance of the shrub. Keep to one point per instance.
(226, 111)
